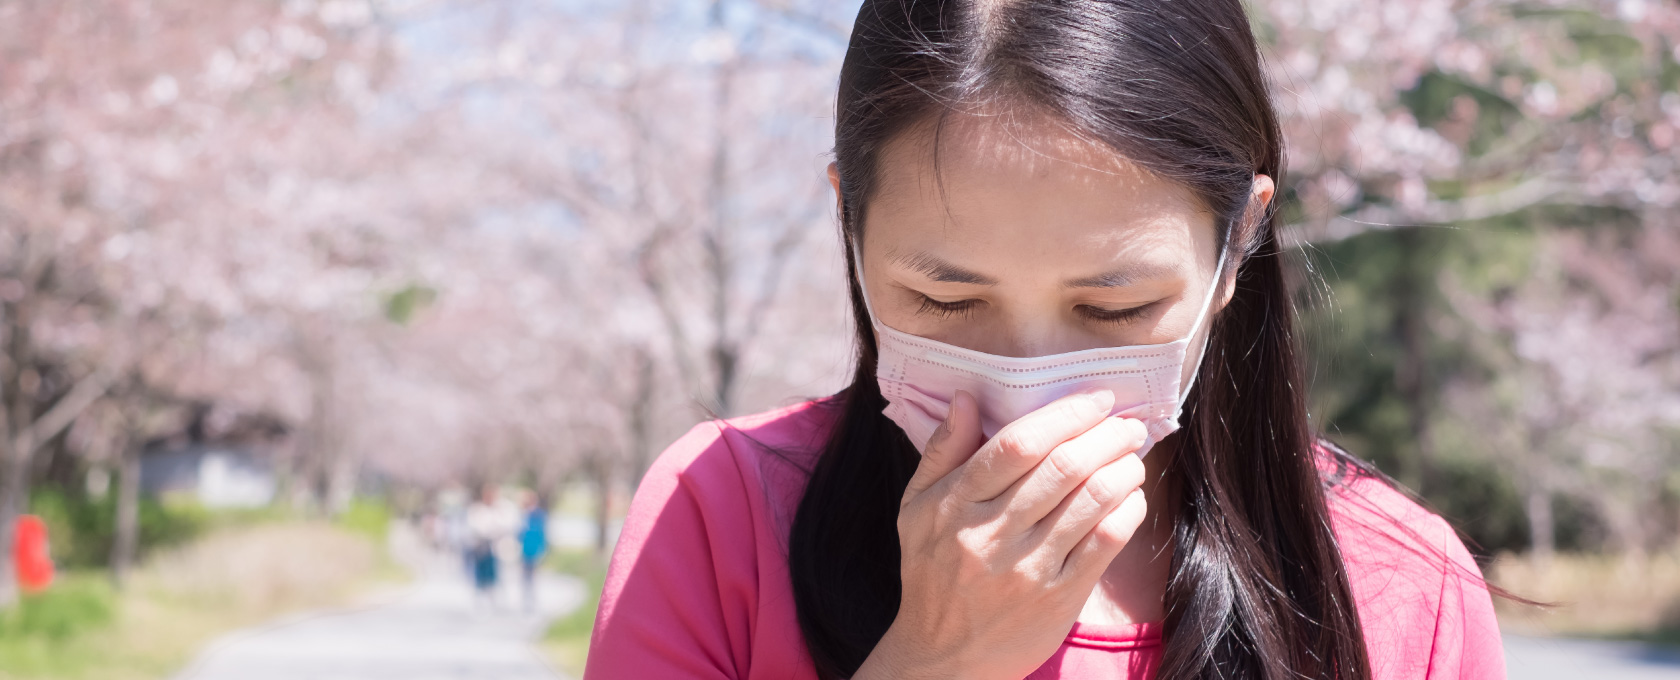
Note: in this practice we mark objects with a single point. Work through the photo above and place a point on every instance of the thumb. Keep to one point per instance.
(951, 445)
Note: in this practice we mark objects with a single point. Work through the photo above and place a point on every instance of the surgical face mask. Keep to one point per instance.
(920, 377)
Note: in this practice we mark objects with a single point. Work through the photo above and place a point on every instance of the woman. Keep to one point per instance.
(1075, 445)
(533, 543)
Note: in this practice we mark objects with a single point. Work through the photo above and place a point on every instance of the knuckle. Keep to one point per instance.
(970, 490)
(937, 440)
(973, 547)
(1061, 466)
(1017, 443)
(1114, 533)
(1034, 571)
(1101, 489)
(931, 514)
(951, 507)
(955, 515)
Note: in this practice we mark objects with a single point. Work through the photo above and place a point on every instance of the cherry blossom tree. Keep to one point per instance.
(489, 240)
(1583, 400)
(118, 118)
(707, 212)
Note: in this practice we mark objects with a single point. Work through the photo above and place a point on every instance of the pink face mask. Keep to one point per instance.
(919, 378)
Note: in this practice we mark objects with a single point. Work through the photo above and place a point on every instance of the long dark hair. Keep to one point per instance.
(1257, 586)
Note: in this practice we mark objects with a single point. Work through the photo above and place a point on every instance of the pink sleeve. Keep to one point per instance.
(1467, 645)
(680, 590)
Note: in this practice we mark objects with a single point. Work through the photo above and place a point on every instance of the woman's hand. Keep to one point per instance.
(1003, 543)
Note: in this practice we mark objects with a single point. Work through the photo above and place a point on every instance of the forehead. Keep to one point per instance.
(1027, 182)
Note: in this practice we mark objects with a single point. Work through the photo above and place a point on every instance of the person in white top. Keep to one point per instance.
(491, 521)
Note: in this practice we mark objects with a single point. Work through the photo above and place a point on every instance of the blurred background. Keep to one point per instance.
(290, 290)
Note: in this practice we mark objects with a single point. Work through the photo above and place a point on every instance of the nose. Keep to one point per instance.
(1033, 333)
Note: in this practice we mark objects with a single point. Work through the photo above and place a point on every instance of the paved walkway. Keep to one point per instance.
(433, 630)
(1532, 658)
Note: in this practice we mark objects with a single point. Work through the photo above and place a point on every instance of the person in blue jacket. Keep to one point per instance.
(533, 543)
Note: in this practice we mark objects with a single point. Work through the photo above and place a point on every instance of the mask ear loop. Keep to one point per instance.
(1207, 303)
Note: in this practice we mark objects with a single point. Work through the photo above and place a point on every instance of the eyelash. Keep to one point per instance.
(1116, 316)
(963, 308)
(945, 310)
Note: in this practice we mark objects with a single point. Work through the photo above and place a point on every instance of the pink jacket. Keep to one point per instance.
(698, 586)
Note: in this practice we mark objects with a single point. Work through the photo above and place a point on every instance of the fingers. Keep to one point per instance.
(1091, 555)
(1101, 492)
(950, 446)
(1019, 447)
(1070, 464)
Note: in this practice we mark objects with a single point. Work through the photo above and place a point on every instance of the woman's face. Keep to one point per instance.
(1028, 241)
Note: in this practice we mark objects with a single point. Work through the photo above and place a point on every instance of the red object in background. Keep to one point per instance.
(29, 554)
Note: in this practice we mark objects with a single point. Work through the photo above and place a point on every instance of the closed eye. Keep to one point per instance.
(1116, 316)
(944, 310)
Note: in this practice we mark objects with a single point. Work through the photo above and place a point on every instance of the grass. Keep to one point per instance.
(566, 643)
(367, 517)
(181, 599)
(1600, 596)
(75, 604)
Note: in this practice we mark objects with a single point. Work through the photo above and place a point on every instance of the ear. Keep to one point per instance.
(1260, 198)
(834, 181)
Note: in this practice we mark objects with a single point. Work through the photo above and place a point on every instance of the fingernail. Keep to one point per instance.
(951, 409)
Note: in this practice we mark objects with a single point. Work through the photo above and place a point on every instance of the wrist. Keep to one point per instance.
(899, 660)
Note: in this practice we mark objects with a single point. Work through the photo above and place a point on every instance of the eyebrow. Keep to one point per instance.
(940, 270)
(1125, 276)
(946, 272)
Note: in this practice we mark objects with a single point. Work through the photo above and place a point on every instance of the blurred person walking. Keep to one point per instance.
(533, 544)
(489, 521)
(450, 528)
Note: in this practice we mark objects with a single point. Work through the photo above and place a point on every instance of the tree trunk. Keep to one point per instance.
(1542, 528)
(341, 484)
(315, 467)
(14, 489)
(17, 395)
(641, 419)
(719, 261)
(1411, 370)
(725, 360)
(20, 430)
(601, 475)
(127, 540)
